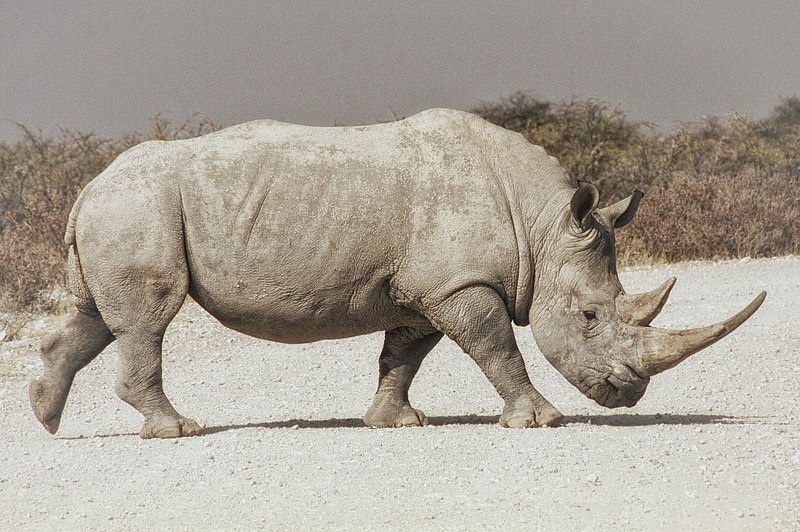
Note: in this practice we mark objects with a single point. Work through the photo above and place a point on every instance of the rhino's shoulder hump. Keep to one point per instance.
(440, 119)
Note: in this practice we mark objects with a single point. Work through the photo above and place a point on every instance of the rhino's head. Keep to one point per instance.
(587, 327)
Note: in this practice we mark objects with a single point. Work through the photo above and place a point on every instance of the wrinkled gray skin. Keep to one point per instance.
(438, 224)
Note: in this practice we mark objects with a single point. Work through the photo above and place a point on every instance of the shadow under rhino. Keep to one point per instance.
(621, 420)
(616, 420)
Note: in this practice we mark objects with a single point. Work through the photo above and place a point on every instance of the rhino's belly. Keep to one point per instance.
(294, 315)
(310, 328)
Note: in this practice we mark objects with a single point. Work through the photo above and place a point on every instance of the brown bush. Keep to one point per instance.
(595, 143)
(714, 218)
(519, 112)
(717, 188)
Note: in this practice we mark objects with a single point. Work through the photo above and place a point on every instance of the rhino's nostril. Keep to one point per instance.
(613, 389)
(617, 392)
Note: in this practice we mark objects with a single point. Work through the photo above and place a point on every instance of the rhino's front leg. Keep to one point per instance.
(403, 351)
(477, 320)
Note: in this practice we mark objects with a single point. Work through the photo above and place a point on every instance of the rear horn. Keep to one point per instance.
(641, 309)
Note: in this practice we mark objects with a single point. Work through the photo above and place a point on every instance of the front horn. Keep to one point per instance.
(662, 349)
(641, 309)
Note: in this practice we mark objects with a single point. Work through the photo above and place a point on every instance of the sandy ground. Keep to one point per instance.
(713, 445)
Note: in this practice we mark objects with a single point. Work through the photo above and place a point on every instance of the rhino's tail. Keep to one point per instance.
(69, 234)
(75, 280)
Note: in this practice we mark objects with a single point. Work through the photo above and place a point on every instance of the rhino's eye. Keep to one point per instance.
(589, 315)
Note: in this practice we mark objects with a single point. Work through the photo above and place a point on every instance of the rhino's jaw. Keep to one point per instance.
(613, 388)
(609, 380)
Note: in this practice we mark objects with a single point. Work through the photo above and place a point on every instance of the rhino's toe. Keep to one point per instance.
(170, 428)
(529, 415)
(411, 417)
(550, 418)
(394, 416)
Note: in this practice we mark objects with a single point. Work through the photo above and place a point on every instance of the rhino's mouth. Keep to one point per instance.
(614, 388)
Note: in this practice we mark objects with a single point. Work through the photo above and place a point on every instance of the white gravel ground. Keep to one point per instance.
(713, 445)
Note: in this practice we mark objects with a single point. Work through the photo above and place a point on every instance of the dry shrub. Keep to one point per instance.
(714, 218)
(29, 250)
(733, 147)
(519, 112)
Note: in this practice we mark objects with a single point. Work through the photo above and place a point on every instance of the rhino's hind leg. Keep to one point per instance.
(139, 384)
(63, 354)
(403, 351)
(137, 303)
(139, 324)
(477, 320)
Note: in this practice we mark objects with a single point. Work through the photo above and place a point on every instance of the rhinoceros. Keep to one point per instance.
(438, 224)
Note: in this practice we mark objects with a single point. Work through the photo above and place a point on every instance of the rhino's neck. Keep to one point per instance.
(523, 292)
(538, 191)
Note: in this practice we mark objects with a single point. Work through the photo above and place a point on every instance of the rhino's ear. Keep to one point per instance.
(584, 202)
(620, 213)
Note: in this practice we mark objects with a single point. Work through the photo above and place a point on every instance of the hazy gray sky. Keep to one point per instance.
(108, 66)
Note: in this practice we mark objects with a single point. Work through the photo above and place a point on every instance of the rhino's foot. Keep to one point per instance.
(47, 400)
(170, 427)
(383, 415)
(524, 413)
